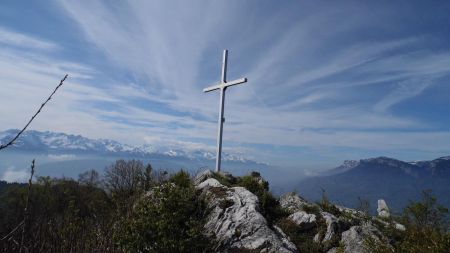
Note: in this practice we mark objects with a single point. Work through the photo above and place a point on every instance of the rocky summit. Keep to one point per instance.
(238, 220)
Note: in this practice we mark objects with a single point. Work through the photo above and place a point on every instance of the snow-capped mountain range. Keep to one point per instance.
(47, 141)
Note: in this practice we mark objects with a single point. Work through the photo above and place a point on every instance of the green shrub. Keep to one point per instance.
(303, 239)
(327, 206)
(181, 179)
(225, 179)
(313, 209)
(169, 220)
(427, 228)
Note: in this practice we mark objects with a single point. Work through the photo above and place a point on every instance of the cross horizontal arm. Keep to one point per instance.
(224, 85)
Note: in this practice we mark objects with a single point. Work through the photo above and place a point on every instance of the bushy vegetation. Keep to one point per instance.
(64, 216)
(135, 209)
(168, 219)
(427, 229)
(119, 213)
(302, 238)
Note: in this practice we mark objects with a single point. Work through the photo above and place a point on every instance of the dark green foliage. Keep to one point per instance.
(64, 216)
(141, 210)
(427, 229)
(303, 239)
(427, 213)
(427, 226)
(313, 209)
(181, 179)
(227, 180)
(254, 184)
(327, 206)
(170, 219)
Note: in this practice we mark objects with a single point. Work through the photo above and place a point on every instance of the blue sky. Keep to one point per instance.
(328, 81)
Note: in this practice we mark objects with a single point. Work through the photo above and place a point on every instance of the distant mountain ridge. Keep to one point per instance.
(33, 140)
(382, 177)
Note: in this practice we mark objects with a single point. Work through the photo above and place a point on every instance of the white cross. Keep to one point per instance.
(222, 86)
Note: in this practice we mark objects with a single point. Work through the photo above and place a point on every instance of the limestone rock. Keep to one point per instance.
(395, 224)
(208, 183)
(333, 250)
(203, 176)
(399, 226)
(235, 222)
(353, 213)
(354, 239)
(383, 209)
(292, 202)
(303, 219)
(332, 226)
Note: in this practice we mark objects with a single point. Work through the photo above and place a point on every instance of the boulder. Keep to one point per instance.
(383, 209)
(292, 202)
(303, 219)
(235, 222)
(353, 213)
(202, 176)
(395, 224)
(354, 240)
(399, 226)
(332, 226)
(333, 250)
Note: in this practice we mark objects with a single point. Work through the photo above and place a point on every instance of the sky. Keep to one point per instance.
(327, 80)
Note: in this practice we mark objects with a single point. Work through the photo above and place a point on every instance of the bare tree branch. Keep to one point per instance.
(32, 118)
(25, 218)
(12, 231)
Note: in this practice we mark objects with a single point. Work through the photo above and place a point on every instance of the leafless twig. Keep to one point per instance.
(25, 218)
(32, 118)
(12, 231)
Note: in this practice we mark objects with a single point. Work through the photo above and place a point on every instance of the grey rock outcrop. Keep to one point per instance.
(399, 226)
(332, 228)
(352, 212)
(303, 219)
(236, 224)
(394, 224)
(383, 209)
(355, 239)
(292, 202)
(202, 176)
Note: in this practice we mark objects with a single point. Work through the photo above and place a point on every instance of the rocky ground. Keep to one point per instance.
(237, 224)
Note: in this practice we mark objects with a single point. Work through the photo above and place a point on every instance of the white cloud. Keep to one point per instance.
(16, 39)
(62, 157)
(307, 73)
(13, 175)
(403, 90)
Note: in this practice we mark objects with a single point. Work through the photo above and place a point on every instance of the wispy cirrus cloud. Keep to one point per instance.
(16, 39)
(315, 79)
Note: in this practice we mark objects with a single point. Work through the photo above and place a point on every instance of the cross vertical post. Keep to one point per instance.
(221, 111)
(222, 86)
